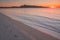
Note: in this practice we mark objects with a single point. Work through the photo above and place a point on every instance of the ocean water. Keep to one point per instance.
(46, 12)
(46, 20)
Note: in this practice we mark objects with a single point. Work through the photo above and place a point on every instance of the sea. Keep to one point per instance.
(46, 20)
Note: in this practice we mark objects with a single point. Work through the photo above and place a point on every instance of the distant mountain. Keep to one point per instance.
(30, 6)
(25, 6)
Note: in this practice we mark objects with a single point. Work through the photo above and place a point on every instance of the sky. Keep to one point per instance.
(29, 2)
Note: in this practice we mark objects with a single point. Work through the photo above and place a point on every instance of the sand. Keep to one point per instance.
(14, 30)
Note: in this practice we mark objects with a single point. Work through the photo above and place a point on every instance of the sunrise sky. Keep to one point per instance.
(30, 2)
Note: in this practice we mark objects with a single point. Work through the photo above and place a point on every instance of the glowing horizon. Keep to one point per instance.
(13, 4)
(8, 3)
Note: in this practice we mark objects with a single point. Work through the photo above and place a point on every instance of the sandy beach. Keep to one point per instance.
(14, 30)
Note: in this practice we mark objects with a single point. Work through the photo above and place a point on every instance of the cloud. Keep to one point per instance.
(29, 1)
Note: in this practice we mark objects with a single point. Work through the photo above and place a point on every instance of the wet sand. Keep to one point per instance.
(14, 30)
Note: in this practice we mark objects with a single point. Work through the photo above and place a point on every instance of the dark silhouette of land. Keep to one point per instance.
(31, 6)
(25, 6)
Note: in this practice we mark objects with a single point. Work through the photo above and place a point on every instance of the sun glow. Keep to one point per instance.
(53, 7)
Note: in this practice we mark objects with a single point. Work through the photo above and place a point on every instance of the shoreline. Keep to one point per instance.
(14, 30)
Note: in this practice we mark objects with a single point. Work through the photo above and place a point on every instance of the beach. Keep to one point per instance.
(15, 30)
